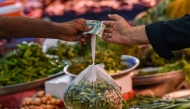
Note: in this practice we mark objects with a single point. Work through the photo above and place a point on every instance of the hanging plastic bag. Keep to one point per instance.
(93, 88)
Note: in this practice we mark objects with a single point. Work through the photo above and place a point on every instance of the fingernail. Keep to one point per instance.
(89, 27)
(109, 14)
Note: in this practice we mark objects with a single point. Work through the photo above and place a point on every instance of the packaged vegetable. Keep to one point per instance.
(93, 88)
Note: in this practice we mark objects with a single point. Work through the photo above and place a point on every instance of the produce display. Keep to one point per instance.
(178, 65)
(157, 13)
(163, 11)
(186, 71)
(180, 103)
(41, 101)
(153, 59)
(79, 57)
(27, 63)
(138, 100)
(96, 95)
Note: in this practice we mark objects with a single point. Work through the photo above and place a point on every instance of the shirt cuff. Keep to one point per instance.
(154, 34)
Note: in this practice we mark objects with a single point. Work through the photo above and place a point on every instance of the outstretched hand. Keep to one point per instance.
(116, 30)
(73, 31)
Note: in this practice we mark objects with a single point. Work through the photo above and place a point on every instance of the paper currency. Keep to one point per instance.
(98, 27)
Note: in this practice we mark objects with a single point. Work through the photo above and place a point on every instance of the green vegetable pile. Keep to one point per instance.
(179, 62)
(106, 53)
(138, 100)
(180, 103)
(93, 95)
(157, 13)
(178, 65)
(27, 63)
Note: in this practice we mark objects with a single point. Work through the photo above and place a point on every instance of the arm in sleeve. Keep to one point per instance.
(170, 35)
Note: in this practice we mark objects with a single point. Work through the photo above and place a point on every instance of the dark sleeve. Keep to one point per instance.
(170, 35)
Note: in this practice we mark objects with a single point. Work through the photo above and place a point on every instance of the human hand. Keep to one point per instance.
(73, 31)
(116, 30)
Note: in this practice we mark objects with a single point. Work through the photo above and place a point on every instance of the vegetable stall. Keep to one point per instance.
(38, 79)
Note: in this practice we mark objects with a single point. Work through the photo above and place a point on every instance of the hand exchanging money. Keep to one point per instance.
(120, 32)
(116, 30)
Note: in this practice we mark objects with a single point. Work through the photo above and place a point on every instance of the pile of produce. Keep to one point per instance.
(154, 102)
(178, 65)
(27, 63)
(41, 101)
(157, 13)
(96, 95)
(179, 62)
(138, 100)
(163, 11)
(153, 59)
(107, 53)
(180, 103)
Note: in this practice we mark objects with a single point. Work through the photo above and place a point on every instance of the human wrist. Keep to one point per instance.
(60, 30)
(137, 35)
(129, 36)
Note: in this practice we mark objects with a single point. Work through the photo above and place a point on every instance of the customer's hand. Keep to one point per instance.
(116, 31)
(73, 30)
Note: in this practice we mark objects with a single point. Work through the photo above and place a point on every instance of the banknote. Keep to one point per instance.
(98, 27)
(100, 32)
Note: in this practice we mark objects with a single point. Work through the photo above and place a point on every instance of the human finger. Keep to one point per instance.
(85, 38)
(78, 36)
(114, 17)
(107, 38)
(81, 43)
(108, 30)
(88, 36)
(81, 25)
(109, 23)
(109, 35)
(104, 37)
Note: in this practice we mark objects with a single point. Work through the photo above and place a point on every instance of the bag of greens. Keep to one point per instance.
(93, 88)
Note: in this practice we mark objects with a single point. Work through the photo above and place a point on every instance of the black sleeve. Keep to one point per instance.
(170, 35)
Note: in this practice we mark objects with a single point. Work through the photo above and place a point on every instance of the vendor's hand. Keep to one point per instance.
(116, 30)
(73, 31)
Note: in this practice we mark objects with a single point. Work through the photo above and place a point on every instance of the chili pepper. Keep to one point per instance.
(27, 53)
(8, 62)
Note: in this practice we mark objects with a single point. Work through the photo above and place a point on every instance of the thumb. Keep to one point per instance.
(114, 17)
(83, 28)
(87, 28)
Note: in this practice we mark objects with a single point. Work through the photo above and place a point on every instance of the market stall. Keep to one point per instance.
(54, 74)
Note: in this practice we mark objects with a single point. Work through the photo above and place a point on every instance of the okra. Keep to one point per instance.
(95, 95)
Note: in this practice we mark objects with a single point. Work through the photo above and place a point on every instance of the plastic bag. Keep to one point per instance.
(93, 88)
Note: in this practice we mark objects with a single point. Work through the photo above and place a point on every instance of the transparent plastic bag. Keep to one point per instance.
(93, 88)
